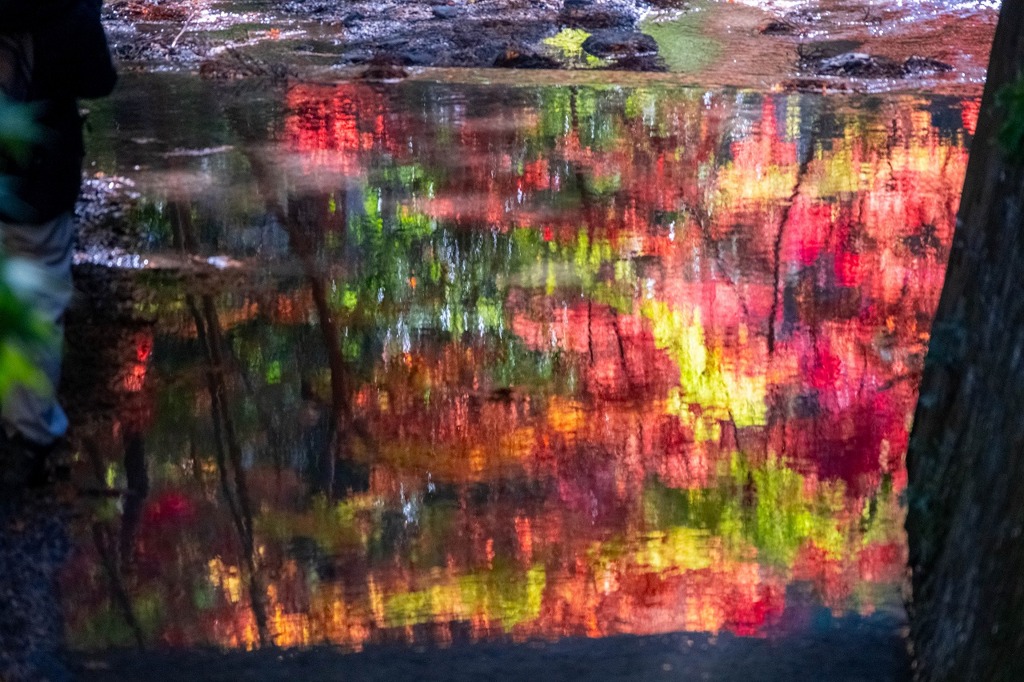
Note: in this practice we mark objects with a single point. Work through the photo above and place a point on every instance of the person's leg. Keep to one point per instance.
(43, 254)
(33, 536)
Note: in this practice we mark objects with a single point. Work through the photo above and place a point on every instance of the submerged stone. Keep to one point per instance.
(924, 65)
(862, 65)
(649, 63)
(859, 65)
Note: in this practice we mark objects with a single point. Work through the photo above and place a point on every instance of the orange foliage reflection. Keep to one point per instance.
(683, 395)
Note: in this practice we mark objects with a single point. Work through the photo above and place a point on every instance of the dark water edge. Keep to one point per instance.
(848, 649)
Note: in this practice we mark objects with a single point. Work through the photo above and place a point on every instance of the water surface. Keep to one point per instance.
(458, 362)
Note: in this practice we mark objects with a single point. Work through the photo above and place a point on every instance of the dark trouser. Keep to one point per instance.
(33, 534)
(39, 258)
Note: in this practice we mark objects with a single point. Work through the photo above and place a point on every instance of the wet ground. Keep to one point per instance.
(556, 376)
(788, 45)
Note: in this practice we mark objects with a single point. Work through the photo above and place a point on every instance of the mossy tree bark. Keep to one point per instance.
(966, 457)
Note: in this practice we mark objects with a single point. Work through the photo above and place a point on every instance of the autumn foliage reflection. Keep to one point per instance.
(630, 361)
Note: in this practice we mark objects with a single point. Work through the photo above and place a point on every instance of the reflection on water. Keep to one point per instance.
(524, 363)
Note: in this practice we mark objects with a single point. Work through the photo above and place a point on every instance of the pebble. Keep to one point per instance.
(446, 12)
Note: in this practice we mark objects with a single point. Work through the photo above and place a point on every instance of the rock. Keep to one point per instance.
(488, 52)
(638, 63)
(103, 209)
(915, 66)
(823, 49)
(515, 58)
(352, 18)
(390, 44)
(620, 44)
(356, 56)
(777, 27)
(859, 65)
(446, 12)
(415, 57)
(587, 15)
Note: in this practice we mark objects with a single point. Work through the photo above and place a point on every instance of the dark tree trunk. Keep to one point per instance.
(966, 459)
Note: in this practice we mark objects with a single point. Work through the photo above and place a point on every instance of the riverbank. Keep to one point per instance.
(808, 45)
